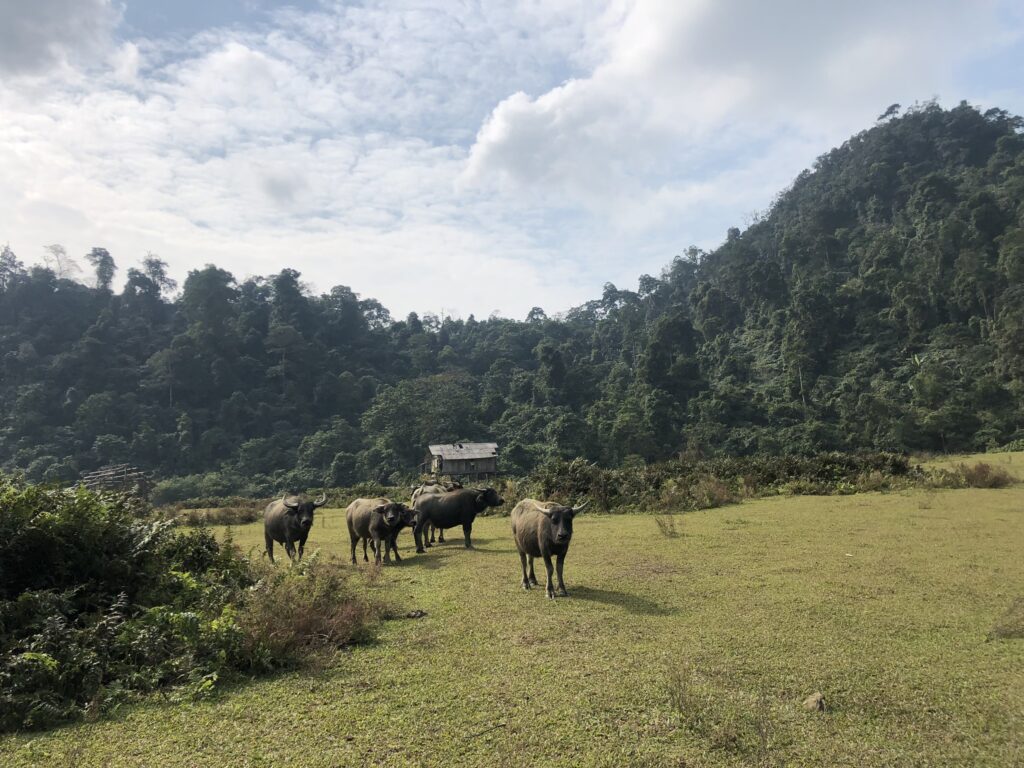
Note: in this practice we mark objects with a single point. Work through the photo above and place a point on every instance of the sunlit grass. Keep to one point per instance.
(883, 603)
(1011, 461)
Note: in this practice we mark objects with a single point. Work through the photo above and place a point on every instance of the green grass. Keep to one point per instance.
(1011, 461)
(687, 650)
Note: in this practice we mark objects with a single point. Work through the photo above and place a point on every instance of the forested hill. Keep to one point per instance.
(878, 304)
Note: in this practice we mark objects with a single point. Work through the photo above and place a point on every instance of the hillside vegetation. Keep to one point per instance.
(878, 304)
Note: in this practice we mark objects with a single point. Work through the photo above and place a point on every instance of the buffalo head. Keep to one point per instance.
(561, 521)
(393, 513)
(302, 511)
(488, 497)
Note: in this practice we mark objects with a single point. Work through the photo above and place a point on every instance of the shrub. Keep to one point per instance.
(293, 612)
(239, 515)
(667, 525)
(984, 475)
(97, 605)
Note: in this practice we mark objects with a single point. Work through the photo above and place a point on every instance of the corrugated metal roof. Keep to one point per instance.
(465, 450)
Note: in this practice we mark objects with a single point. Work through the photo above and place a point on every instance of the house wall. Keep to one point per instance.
(485, 466)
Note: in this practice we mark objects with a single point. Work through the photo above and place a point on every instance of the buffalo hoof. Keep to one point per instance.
(563, 593)
(421, 551)
(551, 595)
(526, 585)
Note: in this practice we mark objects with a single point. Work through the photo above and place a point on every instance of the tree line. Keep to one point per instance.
(877, 304)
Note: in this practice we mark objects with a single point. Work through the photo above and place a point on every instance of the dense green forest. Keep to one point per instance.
(879, 303)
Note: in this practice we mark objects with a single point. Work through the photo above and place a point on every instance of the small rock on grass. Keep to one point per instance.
(815, 702)
(416, 614)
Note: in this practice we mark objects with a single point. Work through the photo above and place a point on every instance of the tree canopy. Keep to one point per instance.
(879, 303)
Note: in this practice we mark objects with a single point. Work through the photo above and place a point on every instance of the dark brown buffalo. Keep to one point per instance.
(408, 520)
(375, 521)
(446, 510)
(543, 529)
(288, 522)
(433, 488)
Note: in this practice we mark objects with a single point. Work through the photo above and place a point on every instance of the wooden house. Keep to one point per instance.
(470, 460)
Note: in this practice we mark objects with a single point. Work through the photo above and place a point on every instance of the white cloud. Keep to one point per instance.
(476, 156)
(37, 35)
(685, 86)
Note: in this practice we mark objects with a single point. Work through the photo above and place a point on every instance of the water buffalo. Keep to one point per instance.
(288, 522)
(446, 510)
(543, 529)
(408, 520)
(375, 521)
(433, 488)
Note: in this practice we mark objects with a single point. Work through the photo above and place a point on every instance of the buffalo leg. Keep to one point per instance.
(559, 562)
(393, 543)
(551, 582)
(365, 558)
(417, 533)
(377, 549)
(270, 546)
(526, 580)
(433, 534)
(355, 540)
(533, 576)
(302, 547)
(440, 535)
(467, 530)
(290, 549)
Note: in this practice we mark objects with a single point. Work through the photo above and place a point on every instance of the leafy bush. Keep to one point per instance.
(984, 475)
(690, 483)
(235, 515)
(97, 605)
(292, 612)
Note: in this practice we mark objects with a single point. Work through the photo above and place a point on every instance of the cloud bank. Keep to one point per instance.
(475, 157)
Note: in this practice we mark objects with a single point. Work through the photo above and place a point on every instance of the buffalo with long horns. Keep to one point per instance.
(543, 529)
(288, 522)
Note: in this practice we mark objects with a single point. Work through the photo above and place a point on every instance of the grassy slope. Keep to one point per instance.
(882, 602)
(1011, 461)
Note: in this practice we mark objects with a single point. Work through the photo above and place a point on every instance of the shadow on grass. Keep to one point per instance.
(631, 603)
(421, 560)
(479, 542)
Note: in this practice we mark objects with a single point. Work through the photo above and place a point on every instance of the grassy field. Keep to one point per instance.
(1011, 461)
(688, 649)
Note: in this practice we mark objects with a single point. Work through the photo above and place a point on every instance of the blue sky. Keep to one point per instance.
(459, 156)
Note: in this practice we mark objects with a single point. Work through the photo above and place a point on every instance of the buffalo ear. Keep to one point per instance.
(481, 498)
(380, 510)
(546, 512)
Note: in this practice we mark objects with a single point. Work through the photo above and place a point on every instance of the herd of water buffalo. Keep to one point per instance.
(539, 528)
